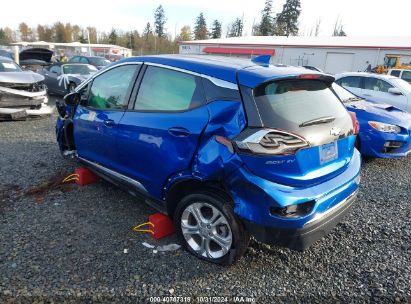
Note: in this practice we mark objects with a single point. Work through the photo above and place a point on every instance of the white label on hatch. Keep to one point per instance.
(328, 152)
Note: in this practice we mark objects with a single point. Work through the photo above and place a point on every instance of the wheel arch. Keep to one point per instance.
(184, 187)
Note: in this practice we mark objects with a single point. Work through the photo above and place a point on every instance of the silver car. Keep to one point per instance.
(378, 88)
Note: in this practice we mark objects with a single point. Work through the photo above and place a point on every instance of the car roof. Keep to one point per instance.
(364, 74)
(229, 69)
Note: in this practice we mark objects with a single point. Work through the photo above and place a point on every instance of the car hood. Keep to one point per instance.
(380, 112)
(36, 53)
(20, 77)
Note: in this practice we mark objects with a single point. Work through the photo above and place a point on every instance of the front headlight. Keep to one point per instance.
(383, 127)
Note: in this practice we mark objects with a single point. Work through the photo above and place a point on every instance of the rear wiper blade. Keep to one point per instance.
(351, 99)
(317, 121)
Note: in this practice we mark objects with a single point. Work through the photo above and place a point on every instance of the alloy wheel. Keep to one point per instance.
(206, 230)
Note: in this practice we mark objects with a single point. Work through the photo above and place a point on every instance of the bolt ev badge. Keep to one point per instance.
(335, 131)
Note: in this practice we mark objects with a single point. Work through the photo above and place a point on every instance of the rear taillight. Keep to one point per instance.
(272, 142)
(355, 122)
(310, 76)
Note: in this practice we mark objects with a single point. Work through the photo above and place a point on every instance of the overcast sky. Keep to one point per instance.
(359, 17)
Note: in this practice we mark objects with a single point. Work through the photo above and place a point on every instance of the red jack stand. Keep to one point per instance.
(85, 176)
(160, 226)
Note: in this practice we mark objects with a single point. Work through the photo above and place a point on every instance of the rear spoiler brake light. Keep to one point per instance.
(324, 77)
(310, 76)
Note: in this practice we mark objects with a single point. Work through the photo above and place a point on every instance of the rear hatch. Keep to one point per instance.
(305, 134)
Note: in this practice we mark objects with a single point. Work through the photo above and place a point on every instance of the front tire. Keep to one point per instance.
(209, 229)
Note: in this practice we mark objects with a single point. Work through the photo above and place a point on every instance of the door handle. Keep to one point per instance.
(368, 95)
(179, 132)
(109, 123)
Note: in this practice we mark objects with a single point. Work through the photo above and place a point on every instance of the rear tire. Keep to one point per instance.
(209, 229)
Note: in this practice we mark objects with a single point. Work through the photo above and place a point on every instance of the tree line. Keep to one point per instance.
(155, 39)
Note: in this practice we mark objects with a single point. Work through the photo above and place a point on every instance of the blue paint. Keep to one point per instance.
(372, 141)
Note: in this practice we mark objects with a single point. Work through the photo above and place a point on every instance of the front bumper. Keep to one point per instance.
(372, 144)
(302, 238)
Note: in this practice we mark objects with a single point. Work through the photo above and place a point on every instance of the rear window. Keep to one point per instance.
(406, 75)
(99, 61)
(289, 103)
(350, 81)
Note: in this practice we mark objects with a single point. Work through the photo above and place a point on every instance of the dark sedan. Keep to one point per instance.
(64, 78)
(98, 62)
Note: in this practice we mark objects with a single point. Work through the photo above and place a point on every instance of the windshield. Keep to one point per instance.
(99, 61)
(9, 66)
(390, 62)
(402, 85)
(343, 94)
(79, 69)
(289, 103)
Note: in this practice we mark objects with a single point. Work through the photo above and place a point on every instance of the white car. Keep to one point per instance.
(400, 73)
(378, 88)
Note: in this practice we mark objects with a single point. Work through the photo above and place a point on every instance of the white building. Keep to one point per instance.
(331, 54)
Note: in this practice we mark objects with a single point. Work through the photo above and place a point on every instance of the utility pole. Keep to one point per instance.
(88, 38)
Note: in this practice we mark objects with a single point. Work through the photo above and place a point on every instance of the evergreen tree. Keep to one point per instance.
(159, 22)
(112, 38)
(58, 29)
(147, 31)
(216, 29)
(266, 26)
(287, 20)
(236, 29)
(200, 28)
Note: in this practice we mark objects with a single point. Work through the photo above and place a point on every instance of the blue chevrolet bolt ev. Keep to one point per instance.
(227, 147)
(385, 131)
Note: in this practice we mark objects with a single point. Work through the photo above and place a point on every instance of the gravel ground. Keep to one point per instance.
(69, 245)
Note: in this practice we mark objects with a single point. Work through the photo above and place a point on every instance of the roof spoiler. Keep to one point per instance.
(262, 60)
(320, 76)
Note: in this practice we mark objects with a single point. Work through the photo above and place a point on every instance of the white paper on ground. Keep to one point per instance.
(148, 245)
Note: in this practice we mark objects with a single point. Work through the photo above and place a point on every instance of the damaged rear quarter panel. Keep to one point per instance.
(213, 161)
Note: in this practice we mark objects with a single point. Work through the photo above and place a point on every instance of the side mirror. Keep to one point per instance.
(72, 99)
(394, 91)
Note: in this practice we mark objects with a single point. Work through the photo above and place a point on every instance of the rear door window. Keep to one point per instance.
(167, 90)
(375, 84)
(350, 81)
(287, 104)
